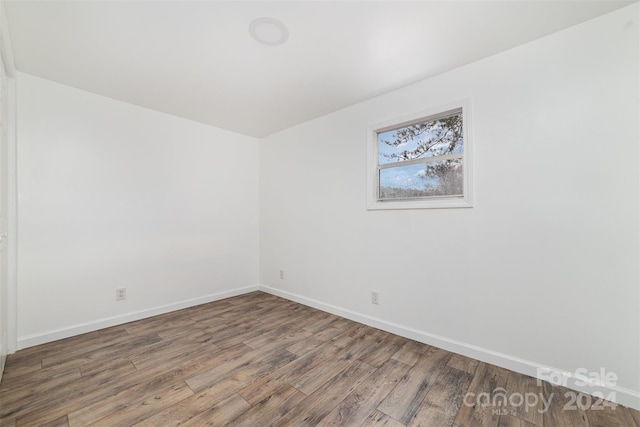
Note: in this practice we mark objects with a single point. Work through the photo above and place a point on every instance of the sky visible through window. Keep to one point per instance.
(411, 176)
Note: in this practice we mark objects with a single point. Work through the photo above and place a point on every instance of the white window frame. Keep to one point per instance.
(373, 167)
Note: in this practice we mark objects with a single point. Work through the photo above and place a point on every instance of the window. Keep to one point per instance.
(421, 161)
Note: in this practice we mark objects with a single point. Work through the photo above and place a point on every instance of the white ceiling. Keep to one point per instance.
(196, 59)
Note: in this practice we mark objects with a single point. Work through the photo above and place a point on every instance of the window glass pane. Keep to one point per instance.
(442, 178)
(421, 140)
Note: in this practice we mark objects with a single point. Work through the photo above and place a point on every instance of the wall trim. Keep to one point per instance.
(12, 219)
(58, 334)
(621, 395)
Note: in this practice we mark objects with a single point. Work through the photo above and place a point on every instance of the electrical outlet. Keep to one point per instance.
(121, 294)
(375, 297)
(281, 274)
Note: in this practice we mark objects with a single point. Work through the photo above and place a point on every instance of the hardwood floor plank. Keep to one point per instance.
(21, 398)
(525, 386)
(443, 401)
(365, 342)
(310, 380)
(185, 410)
(186, 346)
(509, 420)
(14, 388)
(272, 408)
(489, 380)
(314, 378)
(389, 345)
(405, 399)
(558, 413)
(266, 335)
(322, 401)
(283, 316)
(607, 416)
(234, 334)
(105, 372)
(111, 366)
(410, 352)
(199, 402)
(282, 341)
(83, 355)
(357, 406)
(340, 323)
(238, 337)
(253, 311)
(305, 345)
(628, 417)
(37, 353)
(327, 334)
(133, 412)
(379, 419)
(60, 422)
(191, 361)
(277, 357)
(173, 356)
(14, 370)
(220, 414)
(265, 386)
(321, 322)
(463, 363)
(635, 415)
(207, 314)
(179, 321)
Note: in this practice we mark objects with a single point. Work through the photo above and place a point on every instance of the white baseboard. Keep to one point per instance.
(621, 395)
(58, 334)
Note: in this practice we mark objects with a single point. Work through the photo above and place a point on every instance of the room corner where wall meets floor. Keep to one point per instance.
(113, 195)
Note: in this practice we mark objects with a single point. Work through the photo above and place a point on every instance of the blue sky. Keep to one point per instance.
(403, 177)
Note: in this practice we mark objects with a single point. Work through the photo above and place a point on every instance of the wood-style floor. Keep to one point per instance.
(259, 360)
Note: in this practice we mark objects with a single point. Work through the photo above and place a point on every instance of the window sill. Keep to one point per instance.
(439, 203)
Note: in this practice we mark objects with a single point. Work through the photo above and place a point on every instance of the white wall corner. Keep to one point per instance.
(12, 220)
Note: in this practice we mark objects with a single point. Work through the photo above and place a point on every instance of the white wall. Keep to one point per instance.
(113, 195)
(543, 270)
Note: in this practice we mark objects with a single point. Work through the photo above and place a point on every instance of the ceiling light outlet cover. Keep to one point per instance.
(268, 31)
